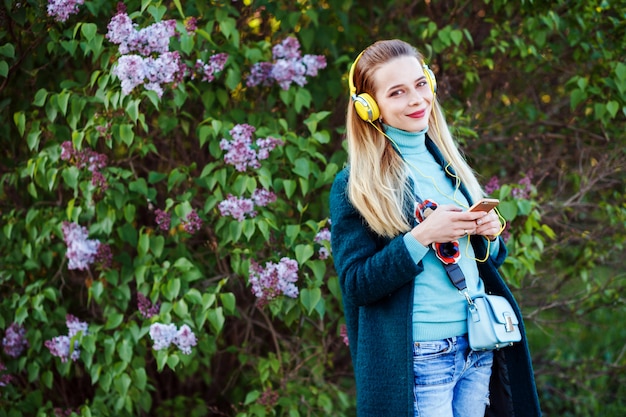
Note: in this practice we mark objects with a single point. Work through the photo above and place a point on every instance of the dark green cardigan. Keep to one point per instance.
(376, 276)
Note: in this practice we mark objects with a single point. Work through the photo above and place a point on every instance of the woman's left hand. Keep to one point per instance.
(488, 225)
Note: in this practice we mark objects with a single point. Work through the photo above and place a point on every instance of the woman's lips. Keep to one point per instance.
(418, 114)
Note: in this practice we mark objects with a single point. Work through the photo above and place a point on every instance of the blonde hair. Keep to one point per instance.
(378, 182)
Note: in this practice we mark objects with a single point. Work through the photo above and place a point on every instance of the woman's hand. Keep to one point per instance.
(449, 222)
(488, 225)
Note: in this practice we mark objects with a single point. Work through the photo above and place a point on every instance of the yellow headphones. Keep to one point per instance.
(366, 106)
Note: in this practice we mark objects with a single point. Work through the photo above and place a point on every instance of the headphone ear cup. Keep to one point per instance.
(366, 107)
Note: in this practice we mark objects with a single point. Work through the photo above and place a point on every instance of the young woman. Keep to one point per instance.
(407, 188)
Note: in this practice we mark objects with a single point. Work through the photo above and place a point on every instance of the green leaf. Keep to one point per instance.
(172, 289)
(122, 383)
(4, 69)
(126, 134)
(89, 30)
(309, 298)
(216, 319)
(612, 107)
(40, 97)
(7, 50)
(304, 253)
(20, 122)
(180, 8)
(125, 350)
(113, 321)
(301, 167)
(229, 301)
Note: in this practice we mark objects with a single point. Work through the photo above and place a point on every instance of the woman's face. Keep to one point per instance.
(403, 94)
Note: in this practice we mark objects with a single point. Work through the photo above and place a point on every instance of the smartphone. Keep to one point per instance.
(486, 204)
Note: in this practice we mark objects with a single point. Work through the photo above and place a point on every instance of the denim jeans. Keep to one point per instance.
(451, 380)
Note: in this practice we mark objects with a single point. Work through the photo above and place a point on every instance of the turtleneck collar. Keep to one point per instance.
(410, 143)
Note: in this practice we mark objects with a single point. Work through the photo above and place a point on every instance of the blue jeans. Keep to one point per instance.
(451, 380)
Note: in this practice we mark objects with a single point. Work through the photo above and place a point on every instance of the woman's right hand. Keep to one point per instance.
(445, 224)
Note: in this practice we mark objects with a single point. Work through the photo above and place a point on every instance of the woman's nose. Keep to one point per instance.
(415, 96)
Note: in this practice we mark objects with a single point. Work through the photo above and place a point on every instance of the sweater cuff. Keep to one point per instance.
(494, 246)
(415, 248)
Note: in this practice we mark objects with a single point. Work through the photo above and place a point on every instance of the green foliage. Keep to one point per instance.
(534, 90)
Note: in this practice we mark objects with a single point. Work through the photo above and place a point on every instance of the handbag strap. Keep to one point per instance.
(457, 277)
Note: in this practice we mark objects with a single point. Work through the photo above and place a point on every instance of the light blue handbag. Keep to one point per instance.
(491, 321)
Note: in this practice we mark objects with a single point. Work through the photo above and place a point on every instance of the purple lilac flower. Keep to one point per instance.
(288, 66)
(14, 341)
(525, 188)
(61, 10)
(262, 197)
(492, 185)
(343, 331)
(323, 253)
(162, 335)
(239, 208)
(74, 326)
(191, 24)
(260, 74)
(185, 339)
(152, 39)
(104, 256)
(266, 146)
(287, 49)
(274, 280)
(192, 222)
(60, 346)
(163, 219)
(146, 308)
(285, 72)
(322, 236)
(87, 158)
(81, 251)
(269, 398)
(5, 379)
(239, 151)
(67, 150)
(313, 64)
(216, 64)
(134, 70)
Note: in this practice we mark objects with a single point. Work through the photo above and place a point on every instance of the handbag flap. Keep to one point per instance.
(501, 309)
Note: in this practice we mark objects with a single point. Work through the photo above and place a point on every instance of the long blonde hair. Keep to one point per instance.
(377, 185)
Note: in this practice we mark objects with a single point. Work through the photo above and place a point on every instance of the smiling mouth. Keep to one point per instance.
(417, 114)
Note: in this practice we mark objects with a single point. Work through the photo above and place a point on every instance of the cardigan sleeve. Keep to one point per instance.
(369, 266)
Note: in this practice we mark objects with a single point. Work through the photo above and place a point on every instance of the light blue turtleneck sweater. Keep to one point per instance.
(439, 310)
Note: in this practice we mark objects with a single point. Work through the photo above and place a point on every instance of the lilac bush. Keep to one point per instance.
(141, 168)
